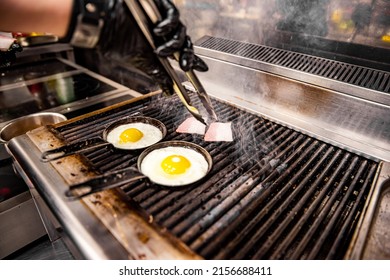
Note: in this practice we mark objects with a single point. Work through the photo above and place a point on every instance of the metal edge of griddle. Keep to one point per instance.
(359, 243)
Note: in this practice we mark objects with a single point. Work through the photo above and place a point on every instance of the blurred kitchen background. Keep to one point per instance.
(335, 29)
(355, 21)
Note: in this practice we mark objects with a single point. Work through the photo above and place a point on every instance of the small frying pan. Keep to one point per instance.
(85, 145)
(127, 175)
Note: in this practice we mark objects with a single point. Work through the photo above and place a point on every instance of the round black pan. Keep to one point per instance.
(85, 145)
(118, 178)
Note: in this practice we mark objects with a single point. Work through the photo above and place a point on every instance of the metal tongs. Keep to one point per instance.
(146, 12)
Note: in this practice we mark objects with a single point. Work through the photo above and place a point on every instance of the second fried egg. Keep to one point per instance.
(174, 166)
(136, 135)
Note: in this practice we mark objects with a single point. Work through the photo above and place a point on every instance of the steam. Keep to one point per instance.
(254, 138)
(247, 21)
(307, 17)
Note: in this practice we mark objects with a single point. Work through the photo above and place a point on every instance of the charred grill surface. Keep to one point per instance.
(273, 193)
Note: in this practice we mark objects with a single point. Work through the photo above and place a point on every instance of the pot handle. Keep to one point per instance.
(78, 147)
(105, 181)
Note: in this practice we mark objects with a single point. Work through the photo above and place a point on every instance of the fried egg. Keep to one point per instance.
(134, 136)
(174, 166)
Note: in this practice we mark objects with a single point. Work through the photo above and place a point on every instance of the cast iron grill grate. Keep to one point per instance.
(273, 193)
(340, 71)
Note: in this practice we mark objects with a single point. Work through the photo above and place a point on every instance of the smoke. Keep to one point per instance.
(303, 16)
(199, 17)
(254, 138)
(253, 20)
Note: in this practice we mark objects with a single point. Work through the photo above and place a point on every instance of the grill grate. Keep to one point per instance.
(273, 193)
(340, 71)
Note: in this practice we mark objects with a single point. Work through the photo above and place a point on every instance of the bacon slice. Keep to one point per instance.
(219, 132)
(5, 42)
(191, 125)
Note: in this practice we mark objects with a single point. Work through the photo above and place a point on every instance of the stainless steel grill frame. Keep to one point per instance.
(362, 81)
(281, 195)
(327, 68)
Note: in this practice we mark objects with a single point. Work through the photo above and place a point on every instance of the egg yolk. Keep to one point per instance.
(175, 164)
(130, 135)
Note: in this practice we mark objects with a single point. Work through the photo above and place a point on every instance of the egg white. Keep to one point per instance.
(151, 166)
(151, 135)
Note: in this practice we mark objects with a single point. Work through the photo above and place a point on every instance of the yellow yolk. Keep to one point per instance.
(130, 135)
(175, 164)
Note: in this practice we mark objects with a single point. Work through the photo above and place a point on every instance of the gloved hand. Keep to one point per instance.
(178, 40)
(9, 56)
(122, 40)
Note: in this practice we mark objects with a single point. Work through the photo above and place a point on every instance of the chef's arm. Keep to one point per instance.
(46, 16)
(26, 16)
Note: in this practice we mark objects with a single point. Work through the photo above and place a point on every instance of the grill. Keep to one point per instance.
(273, 193)
(305, 177)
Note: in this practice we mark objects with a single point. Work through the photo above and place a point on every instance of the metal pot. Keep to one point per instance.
(24, 124)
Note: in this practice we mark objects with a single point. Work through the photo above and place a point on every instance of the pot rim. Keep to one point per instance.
(20, 119)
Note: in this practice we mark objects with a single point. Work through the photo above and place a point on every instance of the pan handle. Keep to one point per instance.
(104, 182)
(73, 148)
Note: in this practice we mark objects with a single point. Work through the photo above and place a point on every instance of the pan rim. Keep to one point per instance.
(176, 143)
(135, 119)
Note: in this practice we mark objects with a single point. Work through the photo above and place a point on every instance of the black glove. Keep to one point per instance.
(9, 56)
(122, 40)
(178, 40)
